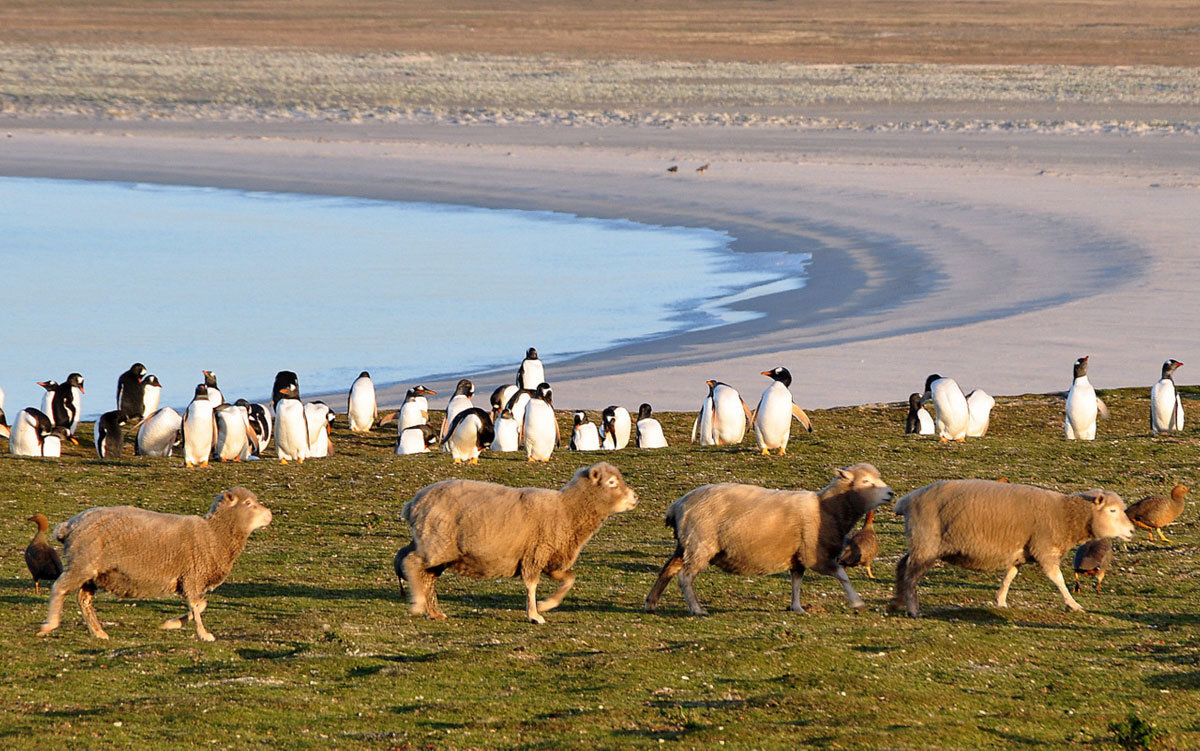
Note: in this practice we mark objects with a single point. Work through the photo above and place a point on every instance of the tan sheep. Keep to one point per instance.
(131, 552)
(745, 529)
(985, 526)
(489, 531)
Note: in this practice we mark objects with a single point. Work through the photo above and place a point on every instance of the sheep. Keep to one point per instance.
(984, 525)
(745, 529)
(488, 531)
(131, 552)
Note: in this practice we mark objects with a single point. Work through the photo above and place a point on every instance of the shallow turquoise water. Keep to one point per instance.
(97, 275)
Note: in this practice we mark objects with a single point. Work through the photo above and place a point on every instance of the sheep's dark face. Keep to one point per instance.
(864, 480)
(245, 505)
(1108, 515)
(612, 486)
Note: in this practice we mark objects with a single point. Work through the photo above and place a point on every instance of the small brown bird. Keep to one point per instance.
(42, 560)
(861, 547)
(704, 167)
(1157, 511)
(673, 168)
(1093, 559)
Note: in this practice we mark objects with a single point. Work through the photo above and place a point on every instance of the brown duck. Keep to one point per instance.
(1157, 511)
(42, 560)
(1093, 559)
(861, 547)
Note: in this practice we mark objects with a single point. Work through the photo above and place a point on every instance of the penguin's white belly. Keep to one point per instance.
(1166, 408)
(926, 422)
(48, 406)
(156, 436)
(953, 416)
(291, 433)
(622, 426)
(773, 422)
(456, 405)
(51, 446)
(77, 404)
(702, 429)
(979, 408)
(198, 434)
(215, 396)
(412, 441)
(532, 374)
(233, 437)
(150, 399)
(586, 438)
(23, 440)
(506, 435)
(316, 421)
(463, 443)
(361, 406)
(414, 412)
(729, 418)
(539, 430)
(1081, 411)
(650, 434)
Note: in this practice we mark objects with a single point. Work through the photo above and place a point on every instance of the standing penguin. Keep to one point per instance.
(649, 430)
(541, 426)
(159, 434)
(131, 393)
(702, 426)
(979, 410)
(1166, 408)
(919, 421)
(51, 388)
(214, 394)
(616, 426)
(318, 418)
(283, 379)
(730, 414)
(236, 440)
(1082, 405)
(199, 429)
(415, 409)
(108, 434)
(416, 440)
(66, 403)
(470, 433)
(291, 429)
(773, 418)
(953, 415)
(3, 421)
(260, 420)
(584, 436)
(518, 403)
(460, 401)
(361, 408)
(151, 394)
(531, 373)
(506, 432)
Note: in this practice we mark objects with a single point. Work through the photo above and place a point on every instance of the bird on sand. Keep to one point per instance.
(704, 167)
(42, 560)
(673, 168)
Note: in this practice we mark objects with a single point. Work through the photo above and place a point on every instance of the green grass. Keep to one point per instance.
(316, 648)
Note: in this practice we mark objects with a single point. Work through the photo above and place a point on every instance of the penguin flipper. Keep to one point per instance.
(696, 425)
(387, 418)
(746, 409)
(802, 417)
(1102, 408)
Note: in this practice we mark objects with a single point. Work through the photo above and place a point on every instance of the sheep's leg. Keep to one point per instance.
(196, 607)
(668, 572)
(916, 569)
(422, 582)
(566, 580)
(897, 603)
(1002, 593)
(690, 570)
(797, 575)
(852, 597)
(86, 594)
(531, 583)
(65, 583)
(1054, 574)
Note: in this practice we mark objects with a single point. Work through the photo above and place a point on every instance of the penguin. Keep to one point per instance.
(953, 417)
(1081, 405)
(53, 441)
(615, 427)
(318, 418)
(28, 432)
(518, 403)
(458, 402)
(361, 408)
(919, 421)
(260, 419)
(48, 398)
(531, 373)
(649, 431)
(159, 434)
(65, 403)
(130, 393)
(702, 426)
(499, 399)
(773, 417)
(585, 436)
(151, 393)
(416, 440)
(236, 439)
(214, 394)
(3, 421)
(541, 426)
(109, 435)
(199, 429)
(291, 430)
(283, 379)
(415, 409)
(506, 432)
(469, 434)
(979, 411)
(730, 415)
(1166, 408)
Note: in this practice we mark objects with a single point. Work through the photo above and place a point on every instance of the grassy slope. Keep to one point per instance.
(315, 646)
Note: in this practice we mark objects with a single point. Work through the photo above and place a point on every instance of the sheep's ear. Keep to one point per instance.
(1095, 496)
(845, 473)
(594, 473)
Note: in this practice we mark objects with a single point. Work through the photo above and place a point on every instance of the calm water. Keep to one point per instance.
(98, 275)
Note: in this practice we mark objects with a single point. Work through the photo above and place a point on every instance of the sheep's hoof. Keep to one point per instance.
(101, 635)
(858, 606)
(435, 616)
(701, 612)
(535, 618)
(206, 637)
(46, 629)
(798, 609)
(172, 624)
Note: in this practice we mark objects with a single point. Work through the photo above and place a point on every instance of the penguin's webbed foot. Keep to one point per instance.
(474, 461)
(283, 461)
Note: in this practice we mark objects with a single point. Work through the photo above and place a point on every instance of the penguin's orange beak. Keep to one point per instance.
(44, 384)
(81, 390)
(765, 372)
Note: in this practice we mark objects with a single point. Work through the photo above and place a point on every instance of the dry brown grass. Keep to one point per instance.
(1084, 32)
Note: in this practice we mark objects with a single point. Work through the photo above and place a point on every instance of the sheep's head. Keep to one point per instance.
(864, 481)
(244, 504)
(1108, 514)
(611, 486)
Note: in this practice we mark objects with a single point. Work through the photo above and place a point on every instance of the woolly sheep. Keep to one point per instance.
(745, 529)
(984, 526)
(131, 552)
(488, 531)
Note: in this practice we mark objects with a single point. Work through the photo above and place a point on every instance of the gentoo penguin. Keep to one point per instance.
(531, 373)
(1166, 408)
(458, 402)
(773, 418)
(235, 438)
(3, 422)
(51, 387)
(283, 379)
(214, 394)
(953, 417)
(500, 399)
(151, 393)
(159, 434)
(319, 419)
(131, 393)
(541, 426)
(361, 409)
(702, 426)
(291, 430)
(66, 403)
(585, 436)
(979, 410)
(109, 435)
(199, 429)
(469, 433)
(416, 440)
(260, 420)
(615, 427)
(415, 409)
(730, 415)
(507, 433)
(518, 403)
(1081, 405)
(649, 431)
(28, 432)
(919, 421)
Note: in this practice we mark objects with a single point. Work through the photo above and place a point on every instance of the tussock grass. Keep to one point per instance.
(316, 648)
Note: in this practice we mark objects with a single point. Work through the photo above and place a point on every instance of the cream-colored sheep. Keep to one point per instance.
(985, 526)
(489, 531)
(131, 552)
(745, 529)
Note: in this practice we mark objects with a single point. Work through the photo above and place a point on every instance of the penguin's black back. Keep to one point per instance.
(109, 435)
(131, 395)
